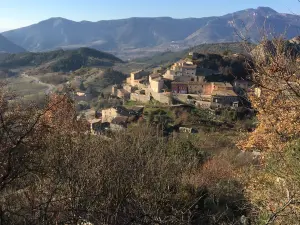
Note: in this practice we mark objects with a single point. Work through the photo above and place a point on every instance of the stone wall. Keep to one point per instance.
(139, 97)
(161, 97)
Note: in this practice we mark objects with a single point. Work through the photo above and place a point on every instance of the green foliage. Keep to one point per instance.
(81, 86)
(82, 105)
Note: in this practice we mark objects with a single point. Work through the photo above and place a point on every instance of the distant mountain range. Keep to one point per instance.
(153, 33)
(7, 46)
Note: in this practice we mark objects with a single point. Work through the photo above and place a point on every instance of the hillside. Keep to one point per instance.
(166, 58)
(160, 33)
(9, 47)
(247, 23)
(60, 60)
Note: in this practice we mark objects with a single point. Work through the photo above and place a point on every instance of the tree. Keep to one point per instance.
(276, 76)
(274, 187)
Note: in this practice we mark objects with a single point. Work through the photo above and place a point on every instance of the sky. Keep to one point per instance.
(19, 13)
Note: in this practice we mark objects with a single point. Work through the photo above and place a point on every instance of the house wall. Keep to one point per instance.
(128, 80)
(114, 90)
(203, 104)
(179, 88)
(109, 114)
(210, 87)
(127, 88)
(188, 72)
(195, 87)
(121, 93)
(225, 100)
(157, 85)
(170, 75)
(132, 80)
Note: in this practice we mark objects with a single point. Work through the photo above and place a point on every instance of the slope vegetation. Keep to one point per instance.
(60, 60)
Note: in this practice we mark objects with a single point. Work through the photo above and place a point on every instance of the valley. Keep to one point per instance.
(149, 120)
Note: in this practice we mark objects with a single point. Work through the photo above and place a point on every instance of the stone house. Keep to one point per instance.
(122, 93)
(195, 87)
(189, 70)
(157, 84)
(97, 127)
(219, 94)
(170, 75)
(114, 89)
(137, 78)
(224, 98)
(181, 71)
(109, 114)
(190, 87)
(216, 86)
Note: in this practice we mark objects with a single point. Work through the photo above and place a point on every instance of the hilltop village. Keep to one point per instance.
(183, 84)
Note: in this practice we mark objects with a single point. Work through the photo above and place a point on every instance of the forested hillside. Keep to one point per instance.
(60, 60)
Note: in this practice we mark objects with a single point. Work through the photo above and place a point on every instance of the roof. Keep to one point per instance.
(154, 75)
(224, 93)
(189, 66)
(120, 120)
(137, 108)
(157, 79)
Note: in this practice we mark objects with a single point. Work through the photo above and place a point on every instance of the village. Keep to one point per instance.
(183, 83)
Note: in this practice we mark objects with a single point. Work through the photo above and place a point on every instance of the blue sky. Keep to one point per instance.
(19, 13)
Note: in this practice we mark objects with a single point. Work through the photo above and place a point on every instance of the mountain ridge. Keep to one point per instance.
(151, 32)
(7, 46)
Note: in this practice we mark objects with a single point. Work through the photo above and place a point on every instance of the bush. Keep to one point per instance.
(56, 173)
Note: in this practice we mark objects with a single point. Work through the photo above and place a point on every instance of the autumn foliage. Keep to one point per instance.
(277, 99)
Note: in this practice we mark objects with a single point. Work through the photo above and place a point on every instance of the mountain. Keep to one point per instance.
(104, 35)
(60, 60)
(250, 24)
(9, 47)
(148, 34)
